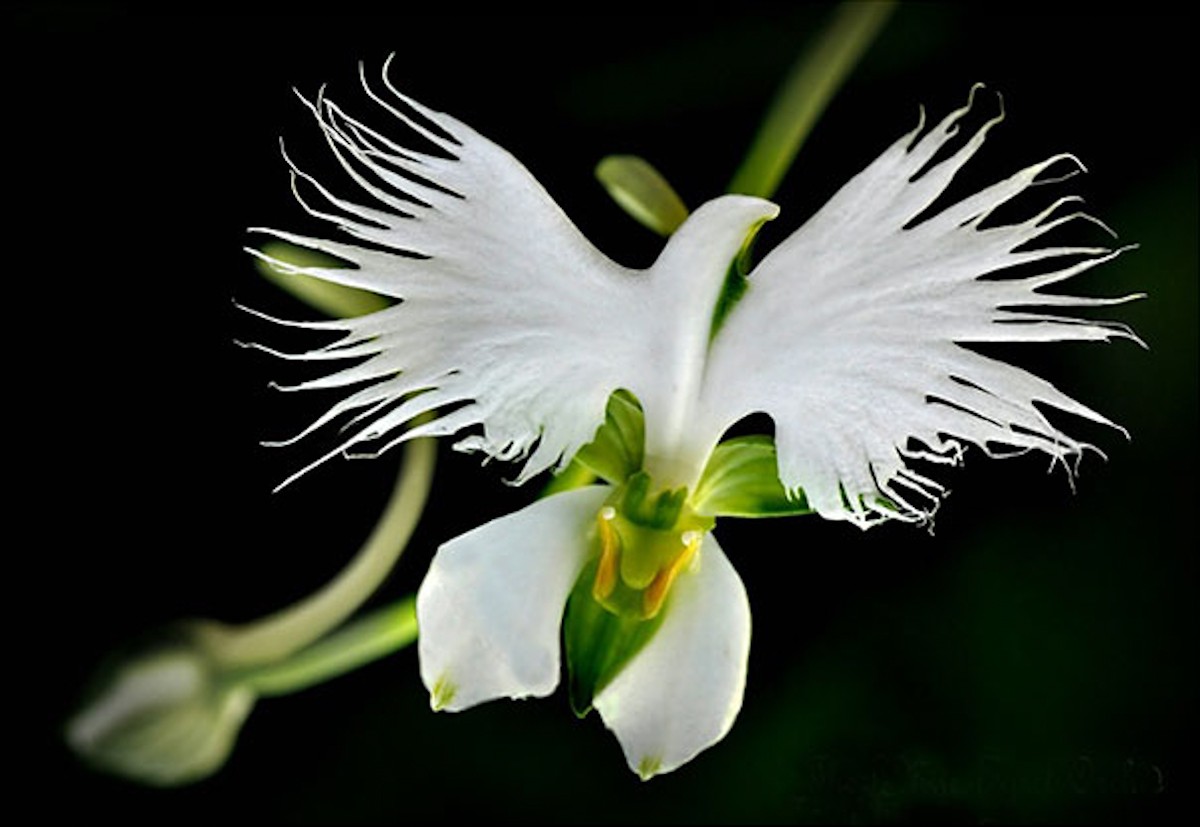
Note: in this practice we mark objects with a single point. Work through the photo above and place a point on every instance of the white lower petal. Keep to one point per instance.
(491, 606)
(682, 692)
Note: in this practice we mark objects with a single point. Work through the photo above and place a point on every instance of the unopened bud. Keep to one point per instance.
(165, 716)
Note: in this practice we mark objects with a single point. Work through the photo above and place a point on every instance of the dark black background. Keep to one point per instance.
(1031, 660)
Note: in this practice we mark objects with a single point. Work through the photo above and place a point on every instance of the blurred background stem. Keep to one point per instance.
(278, 636)
(807, 90)
(379, 633)
(289, 630)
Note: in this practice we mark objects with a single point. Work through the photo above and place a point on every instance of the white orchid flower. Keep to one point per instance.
(509, 323)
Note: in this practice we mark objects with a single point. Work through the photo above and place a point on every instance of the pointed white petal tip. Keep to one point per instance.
(648, 767)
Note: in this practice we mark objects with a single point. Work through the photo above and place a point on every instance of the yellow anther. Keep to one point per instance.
(610, 545)
(656, 592)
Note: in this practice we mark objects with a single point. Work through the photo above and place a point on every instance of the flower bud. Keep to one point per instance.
(166, 715)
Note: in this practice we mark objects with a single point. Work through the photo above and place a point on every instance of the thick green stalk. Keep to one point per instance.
(362, 641)
(287, 631)
(810, 85)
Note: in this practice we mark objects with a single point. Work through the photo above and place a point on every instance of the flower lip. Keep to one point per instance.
(682, 691)
(490, 608)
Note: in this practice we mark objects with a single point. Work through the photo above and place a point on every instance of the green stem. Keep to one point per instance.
(809, 87)
(369, 638)
(287, 631)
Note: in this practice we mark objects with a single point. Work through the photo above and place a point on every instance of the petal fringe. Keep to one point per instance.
(507, 317)
(850, 334)
(509, 321)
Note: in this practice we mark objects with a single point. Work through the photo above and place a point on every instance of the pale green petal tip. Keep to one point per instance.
(648, 767)
(443, 693)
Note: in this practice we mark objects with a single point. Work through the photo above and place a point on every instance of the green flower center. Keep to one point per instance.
(647, 539)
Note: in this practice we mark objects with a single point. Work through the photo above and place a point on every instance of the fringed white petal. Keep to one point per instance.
(508, 319)
(849, 334)
(682, 692)
(490, 608)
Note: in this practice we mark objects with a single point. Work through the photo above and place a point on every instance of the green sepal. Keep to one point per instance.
(575, 475)
(742, 480)
(616, 452)
(598, 642)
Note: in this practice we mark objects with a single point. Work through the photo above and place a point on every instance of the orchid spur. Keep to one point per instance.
(510, 326)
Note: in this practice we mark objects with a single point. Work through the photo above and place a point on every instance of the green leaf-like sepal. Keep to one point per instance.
(742, 480)
(598, 642)
(616, 452)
